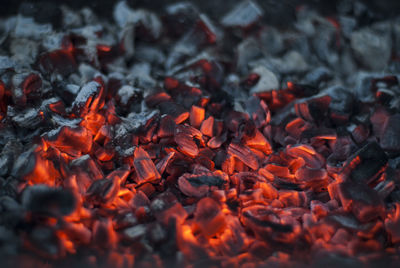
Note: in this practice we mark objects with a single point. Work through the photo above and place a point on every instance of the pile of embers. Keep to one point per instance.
(161, 140)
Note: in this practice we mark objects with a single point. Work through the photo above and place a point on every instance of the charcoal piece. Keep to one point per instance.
(186, 144)
(167, 127)
(11, 150)
(202, 33)
(196, 116)
(209, 217)
(361, 200)
(372, 47)
(54, 202)
(70, 139)
(272, 41)
(135, 232)
(25, 84)
(243, 15)
(216, 142)
(317, 76)
(342, 100)
(145, 169)
(266, 82)
(313, 110)
(199, 185)
(247, 51)
(366, 163)
(44, 240)
(181, 16)
(163, 163)
(86, 171)
(103, 191)
(177, 112)
(29, 118)
(257, 111)
(89, 98)
(244, 154)
(392, 224)
(390, 140)
(264, 222)
(58, 61)
(126, 93)
(104, 236)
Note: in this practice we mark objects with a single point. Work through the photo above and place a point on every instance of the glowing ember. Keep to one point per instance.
(154, 143)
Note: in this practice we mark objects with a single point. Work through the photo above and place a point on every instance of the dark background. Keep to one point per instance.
(277, 12)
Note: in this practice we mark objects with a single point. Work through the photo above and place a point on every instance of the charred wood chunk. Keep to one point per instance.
(145, 169)
(243, 15)
(209, 217)
(244, 154)
(177, 112)
(366, 163)
(44, 200)
(103, 191)
(361, 200)
(90, 98)
(58, 61)
(198, 185)
(70, 140)
(390, 138)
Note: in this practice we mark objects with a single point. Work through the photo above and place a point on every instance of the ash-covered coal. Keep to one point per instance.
(164, 136)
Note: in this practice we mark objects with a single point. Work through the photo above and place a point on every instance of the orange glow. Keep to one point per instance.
(196, 116)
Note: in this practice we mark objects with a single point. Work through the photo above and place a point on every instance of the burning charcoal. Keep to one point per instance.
(209, 217)
(166, 209)
(186, 144)
(196, 116)
(144, 167)
(264, 222)
(104, 235)
(200, 184)
(293, 198)
(44, 240)
(103, 191)
(24, 85)
(48, 201)
(372, 47)
(392, 224)
(89, 98)
(363, 201)
(364, 165)
(163, 163)
(177, 112)
(244, 154)
(58, 61)
(31, 166)
(243, 15)
(70, 139)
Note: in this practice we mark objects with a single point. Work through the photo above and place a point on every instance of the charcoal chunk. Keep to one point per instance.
(363, 165)
(363, 201)
(243, 15)
(45, 200)
(390, 138)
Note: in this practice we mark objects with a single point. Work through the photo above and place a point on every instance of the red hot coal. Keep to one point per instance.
(176, 139)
